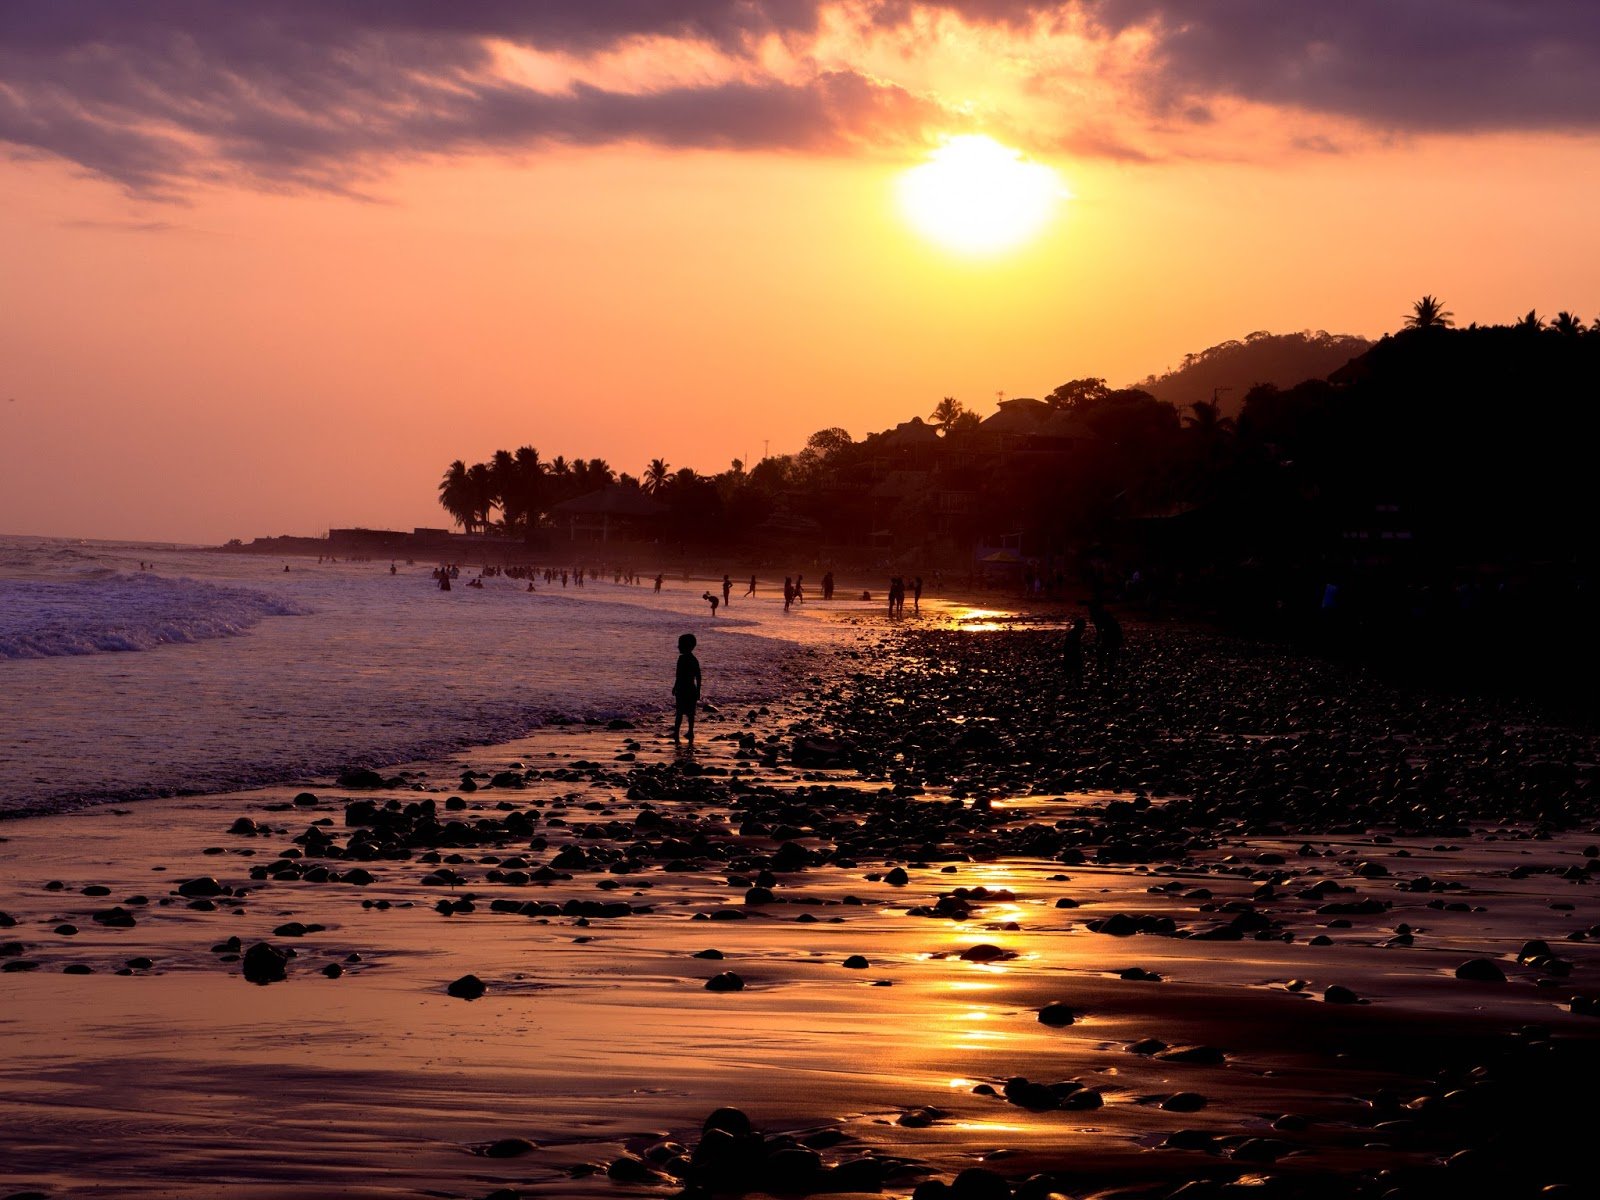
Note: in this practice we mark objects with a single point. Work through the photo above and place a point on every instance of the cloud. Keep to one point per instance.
(326, 93)
(161, 95)
(1417, 66)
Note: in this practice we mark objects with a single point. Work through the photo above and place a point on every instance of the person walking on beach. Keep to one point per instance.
(1107, 639)
(659, 578)
(1072, 651)
(751, 590)
(788, 592)
(827, 586)
(685, 686)
(727, 590)
(711, 599)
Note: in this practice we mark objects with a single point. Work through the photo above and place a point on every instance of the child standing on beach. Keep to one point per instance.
(686, 686)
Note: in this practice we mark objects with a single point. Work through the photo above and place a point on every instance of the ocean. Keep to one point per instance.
(200, 671)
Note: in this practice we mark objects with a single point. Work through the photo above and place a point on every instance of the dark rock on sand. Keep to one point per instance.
(468, 987)
(115, 918)
(1480, 970)
(264, 963)
(725, 982)
(1339, 994)
(511, 1147)
(856, 962)
(1057, 1014)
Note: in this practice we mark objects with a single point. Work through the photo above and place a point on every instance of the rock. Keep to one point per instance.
(897, 877)
(468, 987)
(115, 918)
(333, 970)
(984, 952)
(629, 1169)
(725, 982)
(714, 954)
(264, 963)
(1339, 994)
(856, 962)
(728, 1120)
(511, 1147)
(244, 827)
(203, 885)
(1480, 970)
(976, 1183)
(359, 777)
(1057, 1014)
(1184, 1102)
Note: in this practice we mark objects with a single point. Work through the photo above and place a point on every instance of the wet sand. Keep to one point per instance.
(1188, 853)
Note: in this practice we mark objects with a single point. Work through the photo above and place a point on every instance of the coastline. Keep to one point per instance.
(597, 1040)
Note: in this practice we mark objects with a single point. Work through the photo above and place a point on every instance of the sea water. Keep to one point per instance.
(135, 670)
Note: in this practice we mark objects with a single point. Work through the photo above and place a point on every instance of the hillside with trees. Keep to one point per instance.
(1225, 372)
(1442, 470)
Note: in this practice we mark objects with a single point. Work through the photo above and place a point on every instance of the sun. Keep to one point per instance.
(976, 196)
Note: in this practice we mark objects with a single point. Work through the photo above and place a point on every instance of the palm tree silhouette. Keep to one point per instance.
(1430, 313)
(1532, 323)
(656, 475)
(455, 495)
(946, 412)
(1567, 324)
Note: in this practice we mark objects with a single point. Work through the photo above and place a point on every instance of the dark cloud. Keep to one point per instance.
(324, 93)
(160, 94)
(1401, 65)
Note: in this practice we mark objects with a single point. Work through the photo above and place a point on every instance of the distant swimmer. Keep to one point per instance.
(685, 686)
(711, 600)
(391, 568)
(285, 568)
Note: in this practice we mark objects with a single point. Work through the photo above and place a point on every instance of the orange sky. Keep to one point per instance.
(216, 349)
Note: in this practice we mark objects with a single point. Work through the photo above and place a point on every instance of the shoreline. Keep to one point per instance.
(596, 1040)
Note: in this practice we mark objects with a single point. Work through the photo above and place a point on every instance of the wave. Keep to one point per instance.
(104, 612)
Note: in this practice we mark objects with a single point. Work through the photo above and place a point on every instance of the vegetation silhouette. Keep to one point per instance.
(1440, 479)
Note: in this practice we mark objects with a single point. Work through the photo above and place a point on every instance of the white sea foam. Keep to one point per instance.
(227, 689)
(104, 611)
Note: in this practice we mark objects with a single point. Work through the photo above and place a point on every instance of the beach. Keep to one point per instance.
(1198, 925)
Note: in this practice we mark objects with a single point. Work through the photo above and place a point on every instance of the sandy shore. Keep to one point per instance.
(1188, 853)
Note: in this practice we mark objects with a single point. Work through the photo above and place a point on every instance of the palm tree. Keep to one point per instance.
(455, 495)
(1430, 313)
(656, 475)
(1532, 323)
(503, 482)
(1207, 421)
(1567, 325)
(481, 493)
(946, 411)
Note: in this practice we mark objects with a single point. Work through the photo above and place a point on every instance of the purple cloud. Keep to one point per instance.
(161, 94)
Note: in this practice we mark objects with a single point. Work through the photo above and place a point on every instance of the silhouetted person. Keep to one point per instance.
(916, 594)
(444, 581)
(711, 599)
(659, 578)
(727, 589)
(685, 686)
(1072, 650)
(1107, 638)
(788, 592)
(827, 586)
(751, 590)
(799, 589)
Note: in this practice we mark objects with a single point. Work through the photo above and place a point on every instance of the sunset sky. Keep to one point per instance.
(268, 267)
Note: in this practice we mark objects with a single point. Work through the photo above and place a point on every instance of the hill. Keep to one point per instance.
(1230, 369)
